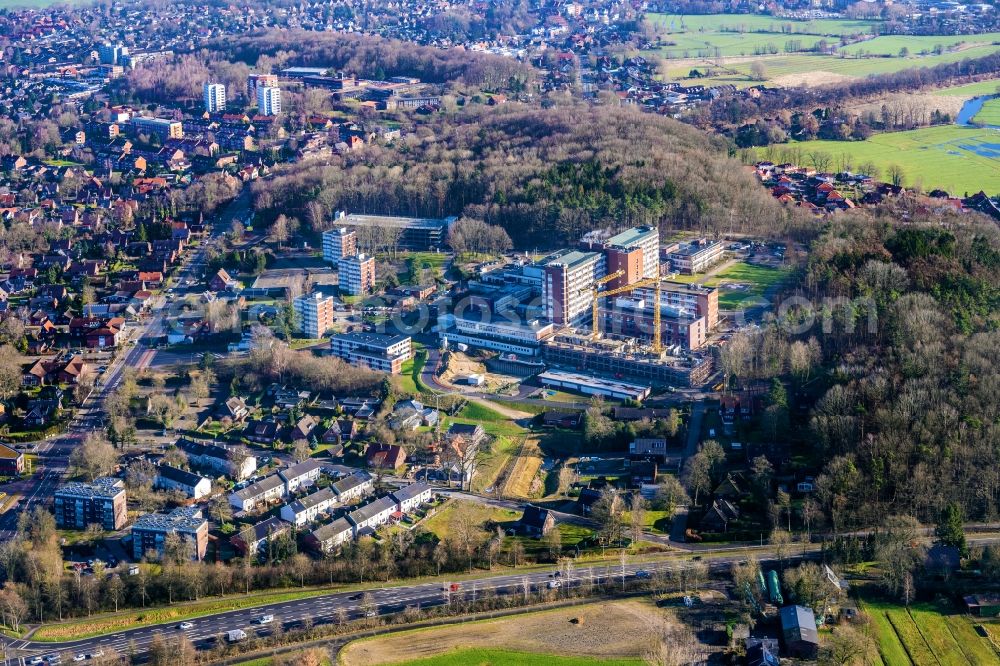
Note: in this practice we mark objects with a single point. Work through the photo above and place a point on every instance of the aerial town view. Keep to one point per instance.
(500, 332)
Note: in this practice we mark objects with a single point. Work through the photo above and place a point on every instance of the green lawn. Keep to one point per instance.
(488, 657)
(987, 87)
(409, 380)
(757, 279)
(989, 114)
(956, 159)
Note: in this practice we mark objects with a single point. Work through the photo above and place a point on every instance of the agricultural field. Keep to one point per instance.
(989, 114)
(924, 634)
(722, 35)
(810, 69)
(956, 159)
(722, 23)
(522, 479)
(742, 284)
(891, 45)
(617, 632)
(987, 87)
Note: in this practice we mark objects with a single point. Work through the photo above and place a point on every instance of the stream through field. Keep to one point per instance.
(970, 109)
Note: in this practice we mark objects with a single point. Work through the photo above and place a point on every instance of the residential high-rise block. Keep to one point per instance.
(315, 314)
(569, 276)
(634, 252)
(356, 274)
(268, 100)
(255, 81)
(214, 95)
(100, 502)
(339, 243)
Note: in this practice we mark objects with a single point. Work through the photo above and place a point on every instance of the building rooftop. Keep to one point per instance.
(351, 482)
(300, 469)
(359, 516)
(325, 532)
(265, 529)
(798, 623)
(630, 237)
(180, 475)
(267, 483)
(570, 258)
(181, 519)
(397, 222)
(410, 491)
(106, 486)
(309, 501)
(371, 339)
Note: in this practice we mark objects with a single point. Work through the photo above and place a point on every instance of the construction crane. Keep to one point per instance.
(648, 282)
(594, 291)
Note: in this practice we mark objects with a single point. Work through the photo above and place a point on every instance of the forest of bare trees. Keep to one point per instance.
(545, 176)
(378, 58)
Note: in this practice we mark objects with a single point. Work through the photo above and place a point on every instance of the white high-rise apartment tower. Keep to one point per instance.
(268, 100)
(215, 97)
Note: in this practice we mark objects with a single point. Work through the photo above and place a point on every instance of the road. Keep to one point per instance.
(324, 609)
(54, 452)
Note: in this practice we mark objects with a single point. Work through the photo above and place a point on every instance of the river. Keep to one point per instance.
(970, 109)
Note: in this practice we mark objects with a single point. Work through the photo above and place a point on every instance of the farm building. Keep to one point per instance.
(798, 632)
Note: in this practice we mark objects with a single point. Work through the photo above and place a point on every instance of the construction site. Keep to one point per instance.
(604, 309)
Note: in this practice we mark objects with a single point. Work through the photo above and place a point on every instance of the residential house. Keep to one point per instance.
(385, 456)
(411, 414)
(253, 539)
(586, 501)
(303, 430)
(328, 538)
(195, 486)
(11, 461)
(410, 497)
(718, 517)
(309, 508)
(221, 281)
(234, 408)
(257, 495)
(352, 488)
(371, 516)
(648, 448)
(301, 475)
(231, 461)
(262, 432)
(536, 521)
(561, 419)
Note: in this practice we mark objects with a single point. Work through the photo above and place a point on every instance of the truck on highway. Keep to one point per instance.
(236, 635)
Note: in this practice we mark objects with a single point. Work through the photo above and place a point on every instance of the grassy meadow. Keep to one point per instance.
(989, 114)
(987, 87)
(726, 46)
(611, 632)
(956, 159)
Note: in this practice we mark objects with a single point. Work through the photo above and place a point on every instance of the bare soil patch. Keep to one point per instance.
(613, 629)
(810, 79)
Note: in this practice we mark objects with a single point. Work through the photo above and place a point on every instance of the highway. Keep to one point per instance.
(325, 609)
